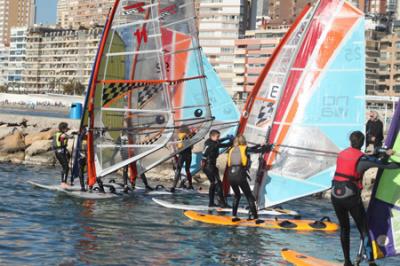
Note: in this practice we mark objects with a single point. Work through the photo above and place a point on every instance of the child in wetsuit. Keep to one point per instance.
(60, 143)
(238, 164)
(123, 140)
(209, 165)
(183, 158)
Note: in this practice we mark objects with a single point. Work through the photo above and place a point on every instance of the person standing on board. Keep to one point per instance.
(82, 165)
(209, 165)
(374, 130)
(183, 158)
(60, 143)
(346, 191)
(121, 141)
(238, 165)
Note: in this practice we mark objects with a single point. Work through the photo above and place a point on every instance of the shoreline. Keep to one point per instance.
(27, 139)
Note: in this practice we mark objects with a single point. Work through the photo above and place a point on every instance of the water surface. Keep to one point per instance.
(39, 227)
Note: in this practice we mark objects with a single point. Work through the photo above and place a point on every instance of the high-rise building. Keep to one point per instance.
(55, 57)
(258, 12)
(220, 24)
(372, 58)
(286, 11)
(389, 66)
(15, 13)
(16, 62)
(86, 13)
(376, 7)
(4, 55)
(251, 55)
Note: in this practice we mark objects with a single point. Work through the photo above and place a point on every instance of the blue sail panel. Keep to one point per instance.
(223, 109)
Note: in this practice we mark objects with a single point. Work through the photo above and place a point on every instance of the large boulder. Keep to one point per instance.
(46, 135)
(39, 147)
(30, 130)
(5, 131)
(16, 158)
(47, 158)
(13, 143)
(163, 172)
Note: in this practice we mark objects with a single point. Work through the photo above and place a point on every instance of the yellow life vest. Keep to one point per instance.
(57, 141)
(181, 137)
(237, 156)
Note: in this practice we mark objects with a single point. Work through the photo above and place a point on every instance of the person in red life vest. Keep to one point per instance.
(346, 191)
(238, 166)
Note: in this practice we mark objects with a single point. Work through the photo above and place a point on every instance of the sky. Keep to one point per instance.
(46, 12)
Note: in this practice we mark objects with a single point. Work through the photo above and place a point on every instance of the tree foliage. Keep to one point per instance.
(3, 88)
(73, 87)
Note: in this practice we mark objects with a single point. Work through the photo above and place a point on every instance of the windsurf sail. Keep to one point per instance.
(225, 113)
(257, 116)
(322, 101)
(189, 99)
(384, 208)
(140, 81)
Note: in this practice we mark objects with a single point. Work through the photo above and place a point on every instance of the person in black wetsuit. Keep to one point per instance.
(82, 166)
(123, 140)
(60, 143)
(374, 130)
(183, 158)
(238, 165)
(209, 166)
(346, 192)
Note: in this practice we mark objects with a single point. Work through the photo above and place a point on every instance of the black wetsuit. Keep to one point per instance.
(353, 205)
(63, 156)
(237, 177)
(184, 157)
(374, 129)
(209, 156)
(142, 176)
(82, 166)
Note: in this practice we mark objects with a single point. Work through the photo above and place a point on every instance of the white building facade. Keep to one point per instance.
(16, 62)
(221, 22)
(4, 55)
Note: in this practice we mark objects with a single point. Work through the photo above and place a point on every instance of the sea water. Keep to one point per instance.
(40, 227)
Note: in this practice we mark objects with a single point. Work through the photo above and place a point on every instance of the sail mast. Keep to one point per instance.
(91, 170)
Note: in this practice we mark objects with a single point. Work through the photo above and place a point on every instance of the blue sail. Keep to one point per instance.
(223, 109)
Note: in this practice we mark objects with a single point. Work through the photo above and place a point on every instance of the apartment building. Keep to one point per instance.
(372, 59)
(286, 11)
(16, 60)
(389, 66)
(82, 13)
(221, 22)
(58, 56)
(15, 13)
(4, 55)
(251, 55)
(376, 7)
